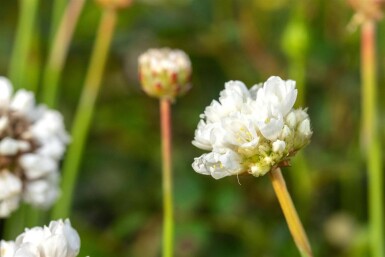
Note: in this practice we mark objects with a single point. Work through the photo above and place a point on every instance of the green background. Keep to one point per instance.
(118, 204)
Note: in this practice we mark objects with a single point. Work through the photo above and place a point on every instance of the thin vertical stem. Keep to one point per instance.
(290, 213)
(58, 7)
(14, 225)
(370, 137)
(295, 44)
(84, 112)
(59, 51)
(168, 226)
(23, 42)
(33, 216)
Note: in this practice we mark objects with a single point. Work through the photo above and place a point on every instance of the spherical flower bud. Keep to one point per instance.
(114, 3)
(32, 142)
(251, 131)
(165, 73)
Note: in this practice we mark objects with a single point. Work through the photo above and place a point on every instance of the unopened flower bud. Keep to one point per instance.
(301, 115)
(286, 132)
(291, 119)
(259, 169)
(295, 40)
(114, 3)
(304, 128)
(279, 146)
(165, 73)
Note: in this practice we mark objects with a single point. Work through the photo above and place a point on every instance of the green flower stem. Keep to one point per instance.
(23, 43)
(15, 224)
(168, 226)
(84, 112)
(295, 44)
(370, 137)
(59, 51)
(58, 7)
(33, 216)
(300, 170)
(290, 213)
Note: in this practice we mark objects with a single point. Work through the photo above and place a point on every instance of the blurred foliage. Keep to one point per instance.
(118, 196)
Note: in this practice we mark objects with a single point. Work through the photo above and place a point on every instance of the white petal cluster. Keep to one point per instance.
(58, 239)
(251, 130)
(32, 142)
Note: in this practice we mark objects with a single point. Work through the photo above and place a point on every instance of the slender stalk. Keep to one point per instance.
(14, 225)
(59, 51)
(33, 216)
(58, 7)
(168, 226)
(295, 45)
(84, 112)
(370, 137)
(290, 213)
(302, 192)
(22, 45)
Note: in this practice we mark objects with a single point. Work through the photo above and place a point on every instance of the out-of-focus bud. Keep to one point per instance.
(295, 40)
(114, 3)
(340, 230)
(165, 73)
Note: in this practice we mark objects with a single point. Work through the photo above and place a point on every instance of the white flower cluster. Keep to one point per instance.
(59, 239)
(32, 142)
(251, 130)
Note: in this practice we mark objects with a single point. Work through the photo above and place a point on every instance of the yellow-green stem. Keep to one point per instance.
(15, 224)
(58, 7)
(290, 213)
(168, 226)
(300, 171)
(33, 216)
(370, 138)
(295, 44)
(84, 112)
(59, 50)
(22, 44)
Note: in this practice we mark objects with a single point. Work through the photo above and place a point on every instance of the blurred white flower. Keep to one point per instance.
(5, 91)
(42, 192)
(32, 142)
(7, 248)
(251, 130)
(10, 192)
(58, 239)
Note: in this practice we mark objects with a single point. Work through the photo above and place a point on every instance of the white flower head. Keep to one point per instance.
(59, 239)
(251, 130)
(32, 142)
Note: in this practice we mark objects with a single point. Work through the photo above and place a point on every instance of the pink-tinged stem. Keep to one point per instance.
(370, 137)
(168, 226)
